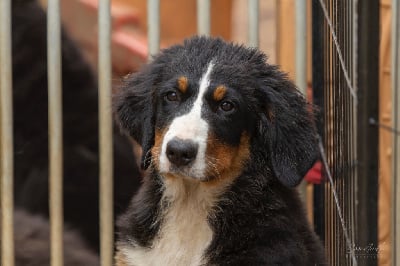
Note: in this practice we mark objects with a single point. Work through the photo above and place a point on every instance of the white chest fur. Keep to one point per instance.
(185, 233)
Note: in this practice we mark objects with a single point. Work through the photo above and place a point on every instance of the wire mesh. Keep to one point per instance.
(337, 38)
(339, 99)
(350, 141)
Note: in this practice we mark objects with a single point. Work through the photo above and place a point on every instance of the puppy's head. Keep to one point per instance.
(200, 109)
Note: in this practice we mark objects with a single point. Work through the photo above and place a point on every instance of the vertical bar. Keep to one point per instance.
(319, 96)
(354, 106)
(396, 139)
(6, 140)
(335, 131)
(301, 45)
(203, 17)
(153, 26)
(55, 131)
(253, 17)
(301, 61)
(367, 137)
(329, 130)
(105, 135)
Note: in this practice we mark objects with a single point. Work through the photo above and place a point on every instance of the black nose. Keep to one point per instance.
(181, 152)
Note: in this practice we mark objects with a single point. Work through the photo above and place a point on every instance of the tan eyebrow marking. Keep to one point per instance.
(219, 93)
(183, 84)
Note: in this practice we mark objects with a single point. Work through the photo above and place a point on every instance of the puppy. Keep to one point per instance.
(225, 138)
(80, 129)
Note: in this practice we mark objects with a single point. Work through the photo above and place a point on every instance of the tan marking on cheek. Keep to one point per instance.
(156, 149)
(120, 259)
(219, 93)
(224, 162)
(183, 84)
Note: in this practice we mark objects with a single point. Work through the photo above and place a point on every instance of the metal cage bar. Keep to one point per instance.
(367, 135)
(301, 61)
(153, 26)
(105, 136)
(6, 140)
(318, 71)
(301, 45)
(55, 131)
(354, 110)
(253, 24)
(203, 17)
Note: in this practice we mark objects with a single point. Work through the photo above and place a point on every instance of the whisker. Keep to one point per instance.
(150, 159)
(213, 164)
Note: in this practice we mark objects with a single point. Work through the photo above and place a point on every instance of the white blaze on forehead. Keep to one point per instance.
(192, 127)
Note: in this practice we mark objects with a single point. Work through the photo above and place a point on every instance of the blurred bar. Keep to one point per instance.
(153, 26)
(253, 17)
(105, 136)
(301, 45)
(6, 140)
(301, 63)
(396, 138)
(203, 17)
(55, 131)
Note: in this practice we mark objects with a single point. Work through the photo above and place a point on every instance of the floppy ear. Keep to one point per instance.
(134, 109)
(287, 129)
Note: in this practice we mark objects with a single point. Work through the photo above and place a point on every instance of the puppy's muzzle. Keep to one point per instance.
(181, 152)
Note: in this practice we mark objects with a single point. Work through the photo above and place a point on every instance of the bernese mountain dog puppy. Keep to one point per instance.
(225, 137)
(80, 129)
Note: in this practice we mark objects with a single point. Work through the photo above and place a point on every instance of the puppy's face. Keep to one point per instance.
(202, 126)
(205, 109)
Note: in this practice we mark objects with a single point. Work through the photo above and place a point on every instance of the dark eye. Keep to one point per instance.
(172, 96)
(227, 106)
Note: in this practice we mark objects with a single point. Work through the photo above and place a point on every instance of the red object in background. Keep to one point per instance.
(129, 52)
(129, 44)
(314, 175)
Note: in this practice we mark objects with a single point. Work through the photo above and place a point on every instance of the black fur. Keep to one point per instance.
(80, 128)
(260, 220)
(266, 226)
(143, 220)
